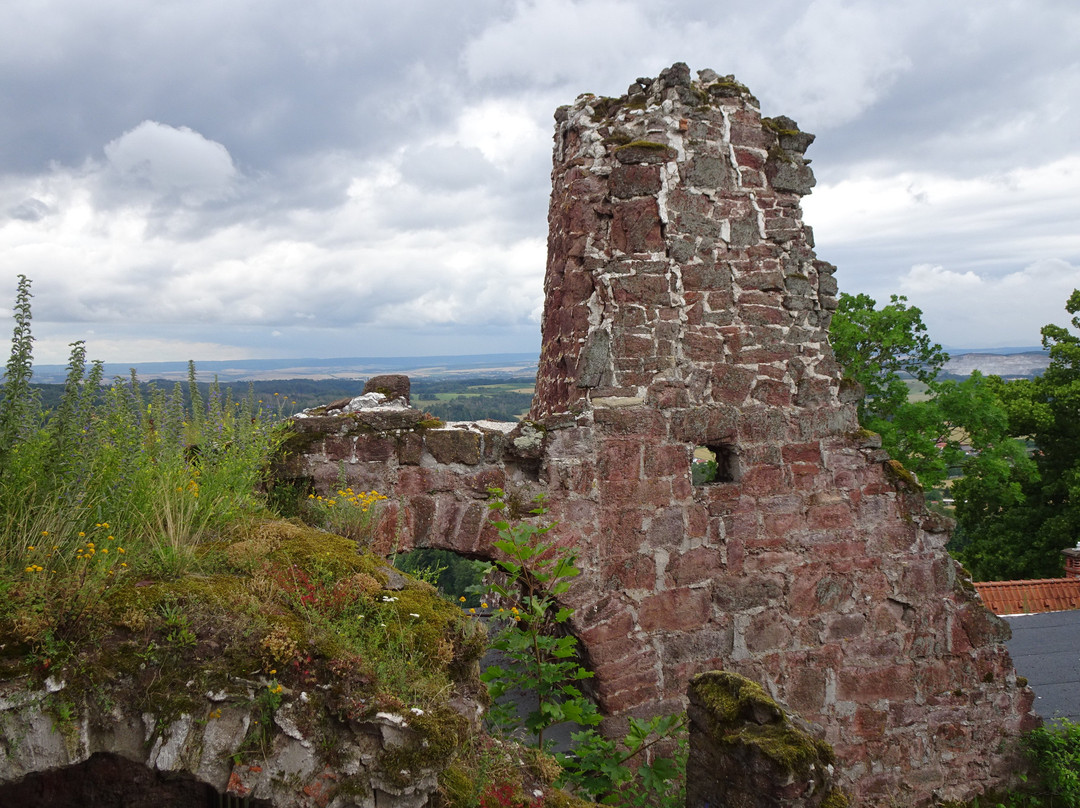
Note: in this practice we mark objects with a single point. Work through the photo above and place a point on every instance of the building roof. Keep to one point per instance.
(1046, 649)
(1030, 597)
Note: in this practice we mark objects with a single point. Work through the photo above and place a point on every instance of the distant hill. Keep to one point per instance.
(1007, 365)
(1006, 362)
(239, 370)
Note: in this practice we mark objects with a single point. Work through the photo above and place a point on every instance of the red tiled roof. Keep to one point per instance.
(1029, 597)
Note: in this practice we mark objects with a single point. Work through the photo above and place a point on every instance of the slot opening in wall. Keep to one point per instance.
(715, 463)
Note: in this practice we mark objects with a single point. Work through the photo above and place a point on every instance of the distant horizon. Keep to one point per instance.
(350, 366)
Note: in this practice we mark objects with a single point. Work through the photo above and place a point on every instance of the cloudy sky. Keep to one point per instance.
(220, 179)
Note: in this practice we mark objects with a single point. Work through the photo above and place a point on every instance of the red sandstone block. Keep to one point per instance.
(629, 572)
(667, 527)
(867, 685)
(620, 459)
(830, 517)
(783, 525)
(622, 532)
(732, 384)
(720, 300)
(617, 626)
(762, 286)
(844, 626)
(635, 226)
(615, 702)
(773, 393)
(750, 135)
(481, 481)
(767, 631)
(634, 180)
(697, 521)
(870, 723)
(764, 315)
(674, 610)
(806, 690)
(665, 460)
(338, 448)
(625, 651)
(694, 566)
(802, 453)
(413, 480)
(705, 345)
(635, 493)
(634, 345)
(762, 480)
(750, 158)
(630, 421)
(736, 555)
(420, 516)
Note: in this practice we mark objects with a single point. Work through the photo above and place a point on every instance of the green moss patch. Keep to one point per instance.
(740, 712)
(285, 606)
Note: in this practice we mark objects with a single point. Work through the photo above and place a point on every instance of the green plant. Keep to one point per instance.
(537, 658)
(111, 481)
(1054, 752)
(541, 658)
(622, 773)
(348, 513)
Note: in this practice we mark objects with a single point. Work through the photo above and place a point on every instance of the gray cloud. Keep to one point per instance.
(239, 178)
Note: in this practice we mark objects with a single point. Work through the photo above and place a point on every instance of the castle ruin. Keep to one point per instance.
(687, 315)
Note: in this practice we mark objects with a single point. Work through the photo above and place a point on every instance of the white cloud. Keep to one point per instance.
(957, 306)
(170, 160)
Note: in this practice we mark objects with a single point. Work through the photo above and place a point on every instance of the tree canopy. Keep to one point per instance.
(1012, 448)
(1016, 517)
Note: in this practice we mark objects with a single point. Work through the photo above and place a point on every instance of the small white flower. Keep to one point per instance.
(388, 599)
(416, 711)
(413, 614)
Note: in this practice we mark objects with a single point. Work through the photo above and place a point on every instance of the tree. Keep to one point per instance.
(876, 348)
(1017, 517)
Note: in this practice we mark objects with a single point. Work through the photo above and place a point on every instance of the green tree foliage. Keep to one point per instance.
(875, 346)
(878, 348)
(1019, 514)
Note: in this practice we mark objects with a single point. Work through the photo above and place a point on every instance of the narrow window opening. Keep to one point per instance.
(715, 463)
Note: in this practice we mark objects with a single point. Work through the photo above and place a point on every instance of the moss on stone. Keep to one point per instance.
(774, 126)
(730, 697)
(896, 470)
(835, 799)
(158, 646)
(435, 737)
(644, 144)
(740, 712)
(727, 88)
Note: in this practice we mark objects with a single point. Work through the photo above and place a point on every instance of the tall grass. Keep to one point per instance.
(114, 481)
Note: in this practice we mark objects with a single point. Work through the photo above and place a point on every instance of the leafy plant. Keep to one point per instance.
(622, 773)
(541, 659)
(1054, 752)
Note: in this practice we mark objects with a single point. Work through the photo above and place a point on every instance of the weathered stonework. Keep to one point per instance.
(685, 308)
(191, 760)
(746, 750)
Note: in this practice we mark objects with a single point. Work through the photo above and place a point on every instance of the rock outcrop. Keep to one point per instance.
(246, 684)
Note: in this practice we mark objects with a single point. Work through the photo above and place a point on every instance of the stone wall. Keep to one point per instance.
(685, 308)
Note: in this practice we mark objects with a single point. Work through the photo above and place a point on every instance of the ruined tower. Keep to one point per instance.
(686, 319)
